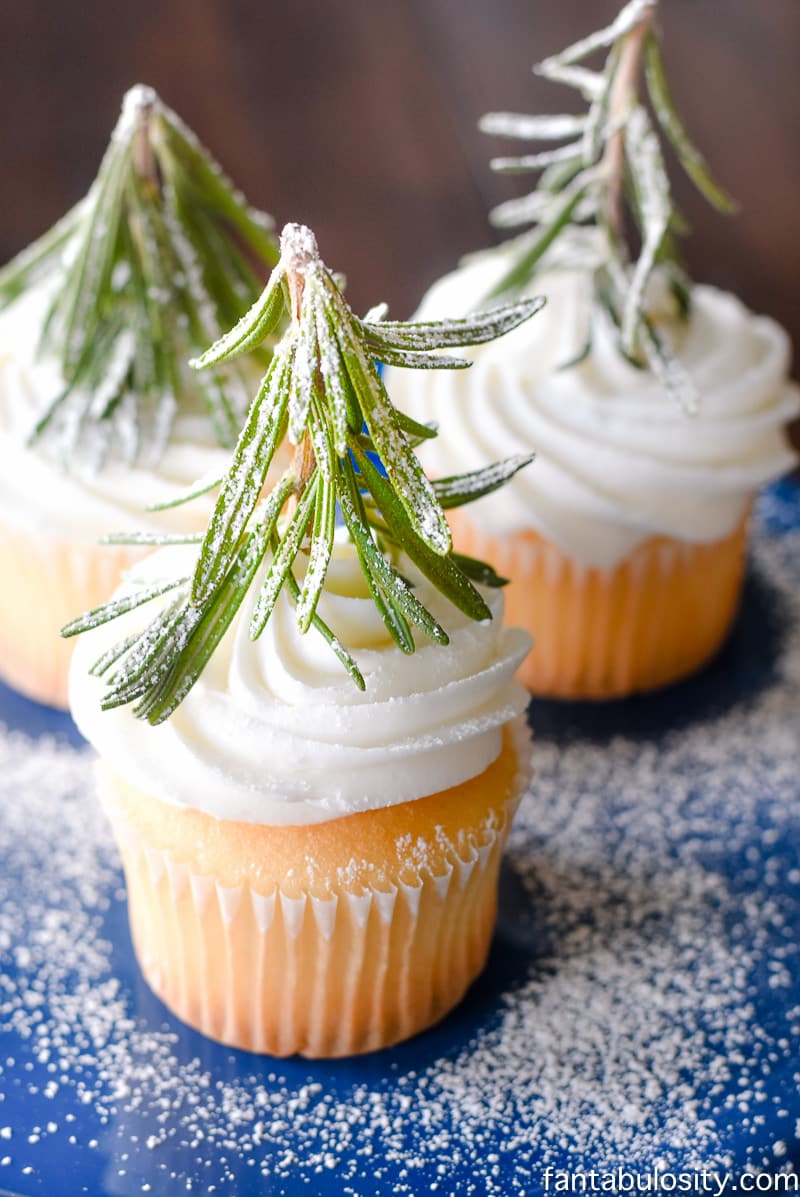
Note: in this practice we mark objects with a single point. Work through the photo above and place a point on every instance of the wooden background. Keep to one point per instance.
(359, 117)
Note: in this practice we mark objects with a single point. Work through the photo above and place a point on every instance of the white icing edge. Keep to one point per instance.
(617, 461)
(294, 741)
(38, 494)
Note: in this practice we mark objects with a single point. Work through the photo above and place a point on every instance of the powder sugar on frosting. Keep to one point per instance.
(617, 459)
(37, 492)
(275, 731)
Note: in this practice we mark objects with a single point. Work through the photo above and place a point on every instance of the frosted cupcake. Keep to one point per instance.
(625, 544)
(312, 830)
(657, 409)
(311, 867)
(99, 414)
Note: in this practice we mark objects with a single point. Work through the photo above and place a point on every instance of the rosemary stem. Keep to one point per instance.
(624, 88)
(144, 160)
(303, 464)
(303, 460)
(295, 277)
(299, 251)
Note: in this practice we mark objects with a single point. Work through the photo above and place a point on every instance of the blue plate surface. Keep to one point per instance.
(640, 1010)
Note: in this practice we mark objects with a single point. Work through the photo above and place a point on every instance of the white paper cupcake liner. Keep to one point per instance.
(328, 972)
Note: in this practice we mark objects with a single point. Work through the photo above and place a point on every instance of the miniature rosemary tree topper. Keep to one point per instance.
(149, 267)
(611, 163)
(353, 449)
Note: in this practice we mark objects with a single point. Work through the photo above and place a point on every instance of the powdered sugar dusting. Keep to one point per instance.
(642, 1004)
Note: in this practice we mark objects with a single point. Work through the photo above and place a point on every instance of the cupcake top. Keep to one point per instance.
(275, 732)
(618, 460)
(77, 500)
(655, 408)
(100, 413)
(294, 672)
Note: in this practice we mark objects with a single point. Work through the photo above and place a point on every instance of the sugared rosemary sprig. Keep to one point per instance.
(610, 163)
(145, 271)
(353, 451)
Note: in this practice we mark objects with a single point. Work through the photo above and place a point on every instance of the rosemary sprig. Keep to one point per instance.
(353, 450)
(611, 162)
(151, 265)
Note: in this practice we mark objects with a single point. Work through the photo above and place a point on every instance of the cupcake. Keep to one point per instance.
(312, 752)
(657, 408)
(311, 867)
(99, 415)
(625, 543)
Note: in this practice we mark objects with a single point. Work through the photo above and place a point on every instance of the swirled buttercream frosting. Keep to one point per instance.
(76, 500)
(617, 460)
(275, 731)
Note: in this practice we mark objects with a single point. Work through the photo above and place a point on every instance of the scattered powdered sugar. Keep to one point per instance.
(641, 1006)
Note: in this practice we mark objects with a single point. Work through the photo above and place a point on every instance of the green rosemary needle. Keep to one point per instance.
(353, 451)
(158, 258)
(611, 162)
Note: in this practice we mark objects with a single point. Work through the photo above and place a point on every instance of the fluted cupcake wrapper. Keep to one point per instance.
(320, 970)
(652, 619)
(317, 976)
(46, 583)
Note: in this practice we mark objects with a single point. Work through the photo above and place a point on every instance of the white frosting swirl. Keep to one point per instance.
(276, 732)
(617, 461)
(38, 493)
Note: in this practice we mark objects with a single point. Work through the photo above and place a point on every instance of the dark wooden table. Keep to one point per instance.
(359, 117)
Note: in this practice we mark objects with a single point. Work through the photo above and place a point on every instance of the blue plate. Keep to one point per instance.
(638, 1018)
